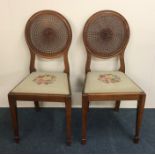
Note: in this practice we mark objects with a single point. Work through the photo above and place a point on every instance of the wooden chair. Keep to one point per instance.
(105, 35)
(48, 35)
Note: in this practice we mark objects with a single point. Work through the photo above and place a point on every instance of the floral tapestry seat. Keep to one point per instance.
(109, 82)
(44, 83)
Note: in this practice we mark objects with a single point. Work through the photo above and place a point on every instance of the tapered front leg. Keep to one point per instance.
(140, 110)
(85, 105)
(68, 120)
(13, 110)
(36, 104)
(117, 106)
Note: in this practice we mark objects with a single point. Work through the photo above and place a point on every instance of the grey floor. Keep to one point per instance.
(108, 132)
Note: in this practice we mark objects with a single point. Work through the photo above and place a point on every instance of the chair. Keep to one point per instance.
(105, 35)
(48, 35)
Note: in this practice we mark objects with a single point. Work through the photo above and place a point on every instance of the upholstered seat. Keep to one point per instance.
(44, 83)
(110, 82)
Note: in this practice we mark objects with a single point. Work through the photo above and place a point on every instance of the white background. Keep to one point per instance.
(139, 56)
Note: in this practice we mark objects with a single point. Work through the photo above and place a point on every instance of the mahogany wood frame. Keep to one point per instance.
(86, 97)
(14, 97)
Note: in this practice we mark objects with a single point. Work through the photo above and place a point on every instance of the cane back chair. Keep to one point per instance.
(105, 35)
(48, 35)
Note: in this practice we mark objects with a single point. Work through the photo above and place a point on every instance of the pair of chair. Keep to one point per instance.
(48, 35)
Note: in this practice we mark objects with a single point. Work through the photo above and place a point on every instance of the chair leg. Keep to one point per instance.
(140, 110)
(36, 104)
(117, 106)
(13, 110)
(88, 106)
(85, 105)
(68, 120)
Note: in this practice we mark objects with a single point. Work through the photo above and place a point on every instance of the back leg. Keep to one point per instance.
(88, 106)
(117, 105)
(36, 104)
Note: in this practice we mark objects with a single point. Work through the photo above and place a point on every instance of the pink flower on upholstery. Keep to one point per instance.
(109, 78)
(44, 79)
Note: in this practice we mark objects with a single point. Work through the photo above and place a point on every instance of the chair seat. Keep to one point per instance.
(110, 82)
(44, 83)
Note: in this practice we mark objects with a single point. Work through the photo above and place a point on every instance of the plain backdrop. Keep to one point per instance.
(139, 55)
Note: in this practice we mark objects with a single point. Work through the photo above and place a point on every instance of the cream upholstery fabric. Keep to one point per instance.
(44, 83)
(96, 82)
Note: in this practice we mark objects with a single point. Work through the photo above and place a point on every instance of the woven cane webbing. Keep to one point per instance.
(106, 33)
(48, 33)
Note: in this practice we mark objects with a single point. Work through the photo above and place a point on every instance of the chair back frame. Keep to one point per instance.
(34, 51)
(119, 52)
